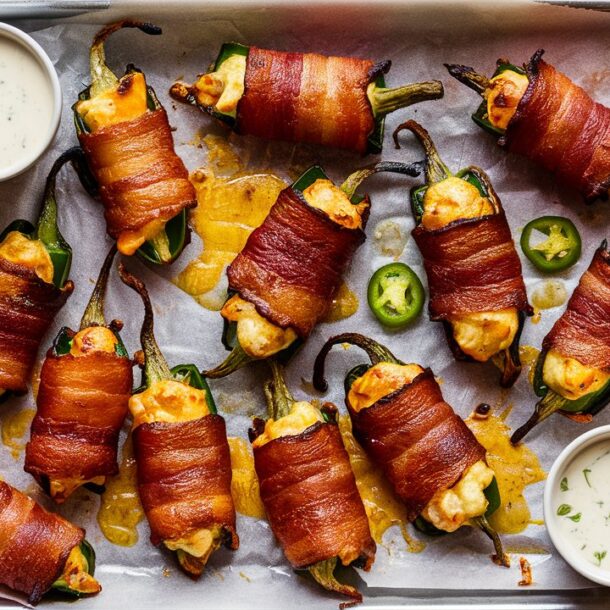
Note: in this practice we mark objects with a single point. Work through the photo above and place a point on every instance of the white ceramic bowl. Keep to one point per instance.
(28, 43)
(565, 548)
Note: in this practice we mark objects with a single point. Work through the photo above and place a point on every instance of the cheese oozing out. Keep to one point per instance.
(302, 415)
(570, 378)
(173, 401)
(258, 337)
(451, 508)
(223, 88)
(480, 335)
(75, 574)
(503, 96)
(19, 249)
(125, 102)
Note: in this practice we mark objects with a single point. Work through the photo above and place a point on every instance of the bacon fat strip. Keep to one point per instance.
(559, 126)
(141, 177)
(306, 97)
(472, 266)
(292, 265)
(583, 330)
(82, 403)
(184, 477)
(34, 544)
(418, 441)
(311, 499)
(27, 308)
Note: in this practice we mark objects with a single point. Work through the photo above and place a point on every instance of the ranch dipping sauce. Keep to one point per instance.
(581, 504)
(26, 104)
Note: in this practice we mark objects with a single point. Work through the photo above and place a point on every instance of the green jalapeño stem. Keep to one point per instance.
(469, 77)
(278, 396)
(323, 573)
(94, 313)
(384, 100)
(353, 181)
(102, 78)
(501, 557)
(375, 351)
(551, 403)
(155, 365)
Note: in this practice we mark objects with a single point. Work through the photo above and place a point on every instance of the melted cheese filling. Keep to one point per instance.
(75, 574)
(224, 88)
(258, 337)
(480, 335)
(302, 415)
(129, 241)
(172, 401)
(379, 381)
(570, 378)
(30, 253)
(503, 96)
(450, 508)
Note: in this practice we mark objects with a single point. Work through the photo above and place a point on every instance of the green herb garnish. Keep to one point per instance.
(599, 555)
(564, 484)
(587, 472)
(575, 518)
(564, 510)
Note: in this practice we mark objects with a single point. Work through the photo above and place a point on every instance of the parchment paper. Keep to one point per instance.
(258, 573)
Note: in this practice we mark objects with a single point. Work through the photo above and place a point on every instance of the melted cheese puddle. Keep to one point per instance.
(14, 428)
(120, 509)
(529, 355)
(244, 485)
(515, 469)
(382, 507)
(344, 305)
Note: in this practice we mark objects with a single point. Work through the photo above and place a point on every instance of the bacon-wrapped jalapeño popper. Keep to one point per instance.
(339, 102)
(182, 454)
(474, 272)
(127, 139)
(34, 267)
(85, 384)
(572, 373)
(433, 461)
(41, 551)
(308, 487)
(283, 281)
(539, 112)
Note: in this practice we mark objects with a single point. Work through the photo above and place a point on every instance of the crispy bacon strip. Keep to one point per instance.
(472, 265)
(27, 308)
(34, 544)
(140, 176)
(305, 97)
(418, 441)
(292, 265)
(560, 127)
(82, 403)
(312, 502)
(583, 331)
(184, 478)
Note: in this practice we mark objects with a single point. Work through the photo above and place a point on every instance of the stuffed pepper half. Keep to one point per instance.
(127, 139)
(308, 487)
(539, 112)
(434, 463)
(85, 383)
(572, 373)
(182, 455)
(474, 272)
(339, 102)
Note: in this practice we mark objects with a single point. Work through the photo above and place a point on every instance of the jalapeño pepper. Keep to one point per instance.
(378, 353)
(64, 586)
(238, 357)
(560, 251)
(381, 99)
(169, 242)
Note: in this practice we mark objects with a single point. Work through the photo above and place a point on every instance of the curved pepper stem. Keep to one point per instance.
(469, 77)
(384, 100)
(353, 181)
(234, 361)
(323, 573)
(94, 313)
(436, 170)
(278, 396)
(551, 403)
(501, 557)
(375, 351)
(155, 365)
(102, 78)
